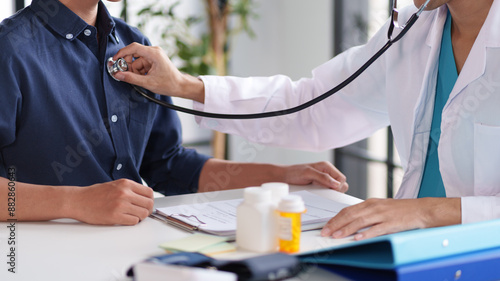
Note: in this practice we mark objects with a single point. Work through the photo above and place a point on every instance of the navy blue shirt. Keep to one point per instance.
(65, 121)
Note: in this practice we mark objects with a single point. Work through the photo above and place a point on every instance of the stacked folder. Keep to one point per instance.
(460, 252)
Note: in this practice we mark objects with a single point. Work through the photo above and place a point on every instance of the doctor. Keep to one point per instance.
(438, 88)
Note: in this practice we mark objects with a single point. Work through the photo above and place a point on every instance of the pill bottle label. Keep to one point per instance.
(285, 228)
(289, 232)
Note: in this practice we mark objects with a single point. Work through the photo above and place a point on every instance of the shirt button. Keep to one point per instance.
(69, 36)
(87, 32)
(119, 167)
(114, 118)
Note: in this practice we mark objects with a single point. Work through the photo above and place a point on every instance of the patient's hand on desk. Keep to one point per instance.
(225, 174)
(320, 173)
(123, 202)
(385, 216)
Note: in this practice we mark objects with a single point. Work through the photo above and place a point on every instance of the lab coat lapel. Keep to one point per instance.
(473, 69)
(422, 112)
(428, 89)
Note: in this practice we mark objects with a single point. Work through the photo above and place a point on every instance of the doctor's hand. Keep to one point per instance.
(122, 202)
(150, 68)
(320, 173)
(385, 216)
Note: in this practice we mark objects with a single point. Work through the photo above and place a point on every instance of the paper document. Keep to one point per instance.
(219, 217)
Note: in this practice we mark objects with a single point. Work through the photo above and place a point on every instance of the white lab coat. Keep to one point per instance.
(397, 90)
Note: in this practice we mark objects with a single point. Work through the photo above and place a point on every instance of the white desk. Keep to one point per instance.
(70, 250)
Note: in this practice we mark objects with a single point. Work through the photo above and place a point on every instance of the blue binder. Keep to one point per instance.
(393, 251)
(475, 266)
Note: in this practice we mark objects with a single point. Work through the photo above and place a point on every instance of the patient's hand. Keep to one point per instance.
(321, 173)
(122, 202)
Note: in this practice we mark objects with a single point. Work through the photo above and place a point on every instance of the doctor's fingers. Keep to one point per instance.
(140, 66)
(137, 50)
(135, 79)
(354, 218)
(148, 56)
(383, 216)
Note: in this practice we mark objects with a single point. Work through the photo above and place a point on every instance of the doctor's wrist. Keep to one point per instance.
(442, 211)
(191, 88)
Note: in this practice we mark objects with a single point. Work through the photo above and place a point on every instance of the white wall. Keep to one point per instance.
(292, 37)
(6, 9)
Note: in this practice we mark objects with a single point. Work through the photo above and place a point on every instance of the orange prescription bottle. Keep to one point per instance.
(290, 209)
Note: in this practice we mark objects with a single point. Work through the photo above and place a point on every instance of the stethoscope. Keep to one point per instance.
(121, 65)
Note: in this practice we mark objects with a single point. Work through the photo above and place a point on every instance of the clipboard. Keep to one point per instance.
(219, 218)
(174, 222)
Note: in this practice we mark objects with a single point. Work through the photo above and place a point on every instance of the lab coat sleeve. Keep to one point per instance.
(346, 117)
(480, 208)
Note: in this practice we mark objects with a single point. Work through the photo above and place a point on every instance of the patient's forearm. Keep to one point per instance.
(29, 202)
(122, 201)
(221, 174)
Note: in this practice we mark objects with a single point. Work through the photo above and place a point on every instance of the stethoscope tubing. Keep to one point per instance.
(295, 109)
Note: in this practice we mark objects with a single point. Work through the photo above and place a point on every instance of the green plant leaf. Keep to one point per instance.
(181, 35)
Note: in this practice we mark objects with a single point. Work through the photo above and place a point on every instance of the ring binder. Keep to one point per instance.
(403, 248)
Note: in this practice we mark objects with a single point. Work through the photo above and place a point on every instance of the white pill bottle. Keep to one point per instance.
(255, 221)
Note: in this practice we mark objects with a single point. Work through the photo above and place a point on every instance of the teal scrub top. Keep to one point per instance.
(432, 183)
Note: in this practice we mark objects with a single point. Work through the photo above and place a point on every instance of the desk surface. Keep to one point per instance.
(70, 250)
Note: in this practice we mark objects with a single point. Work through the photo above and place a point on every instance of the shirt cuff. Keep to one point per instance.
(480, 208)
(200, 107)
(214, 101)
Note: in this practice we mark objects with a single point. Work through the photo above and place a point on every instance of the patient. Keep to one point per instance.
(74, 143)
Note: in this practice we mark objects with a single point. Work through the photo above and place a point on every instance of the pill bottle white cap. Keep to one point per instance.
(278, 189)
(291, 204)
(253, 195)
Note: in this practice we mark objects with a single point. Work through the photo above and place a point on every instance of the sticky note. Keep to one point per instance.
(198, 242)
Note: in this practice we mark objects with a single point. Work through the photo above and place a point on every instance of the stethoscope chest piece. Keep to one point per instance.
(116, 66)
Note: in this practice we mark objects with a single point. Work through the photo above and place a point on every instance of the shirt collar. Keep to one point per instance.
(68, 24)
